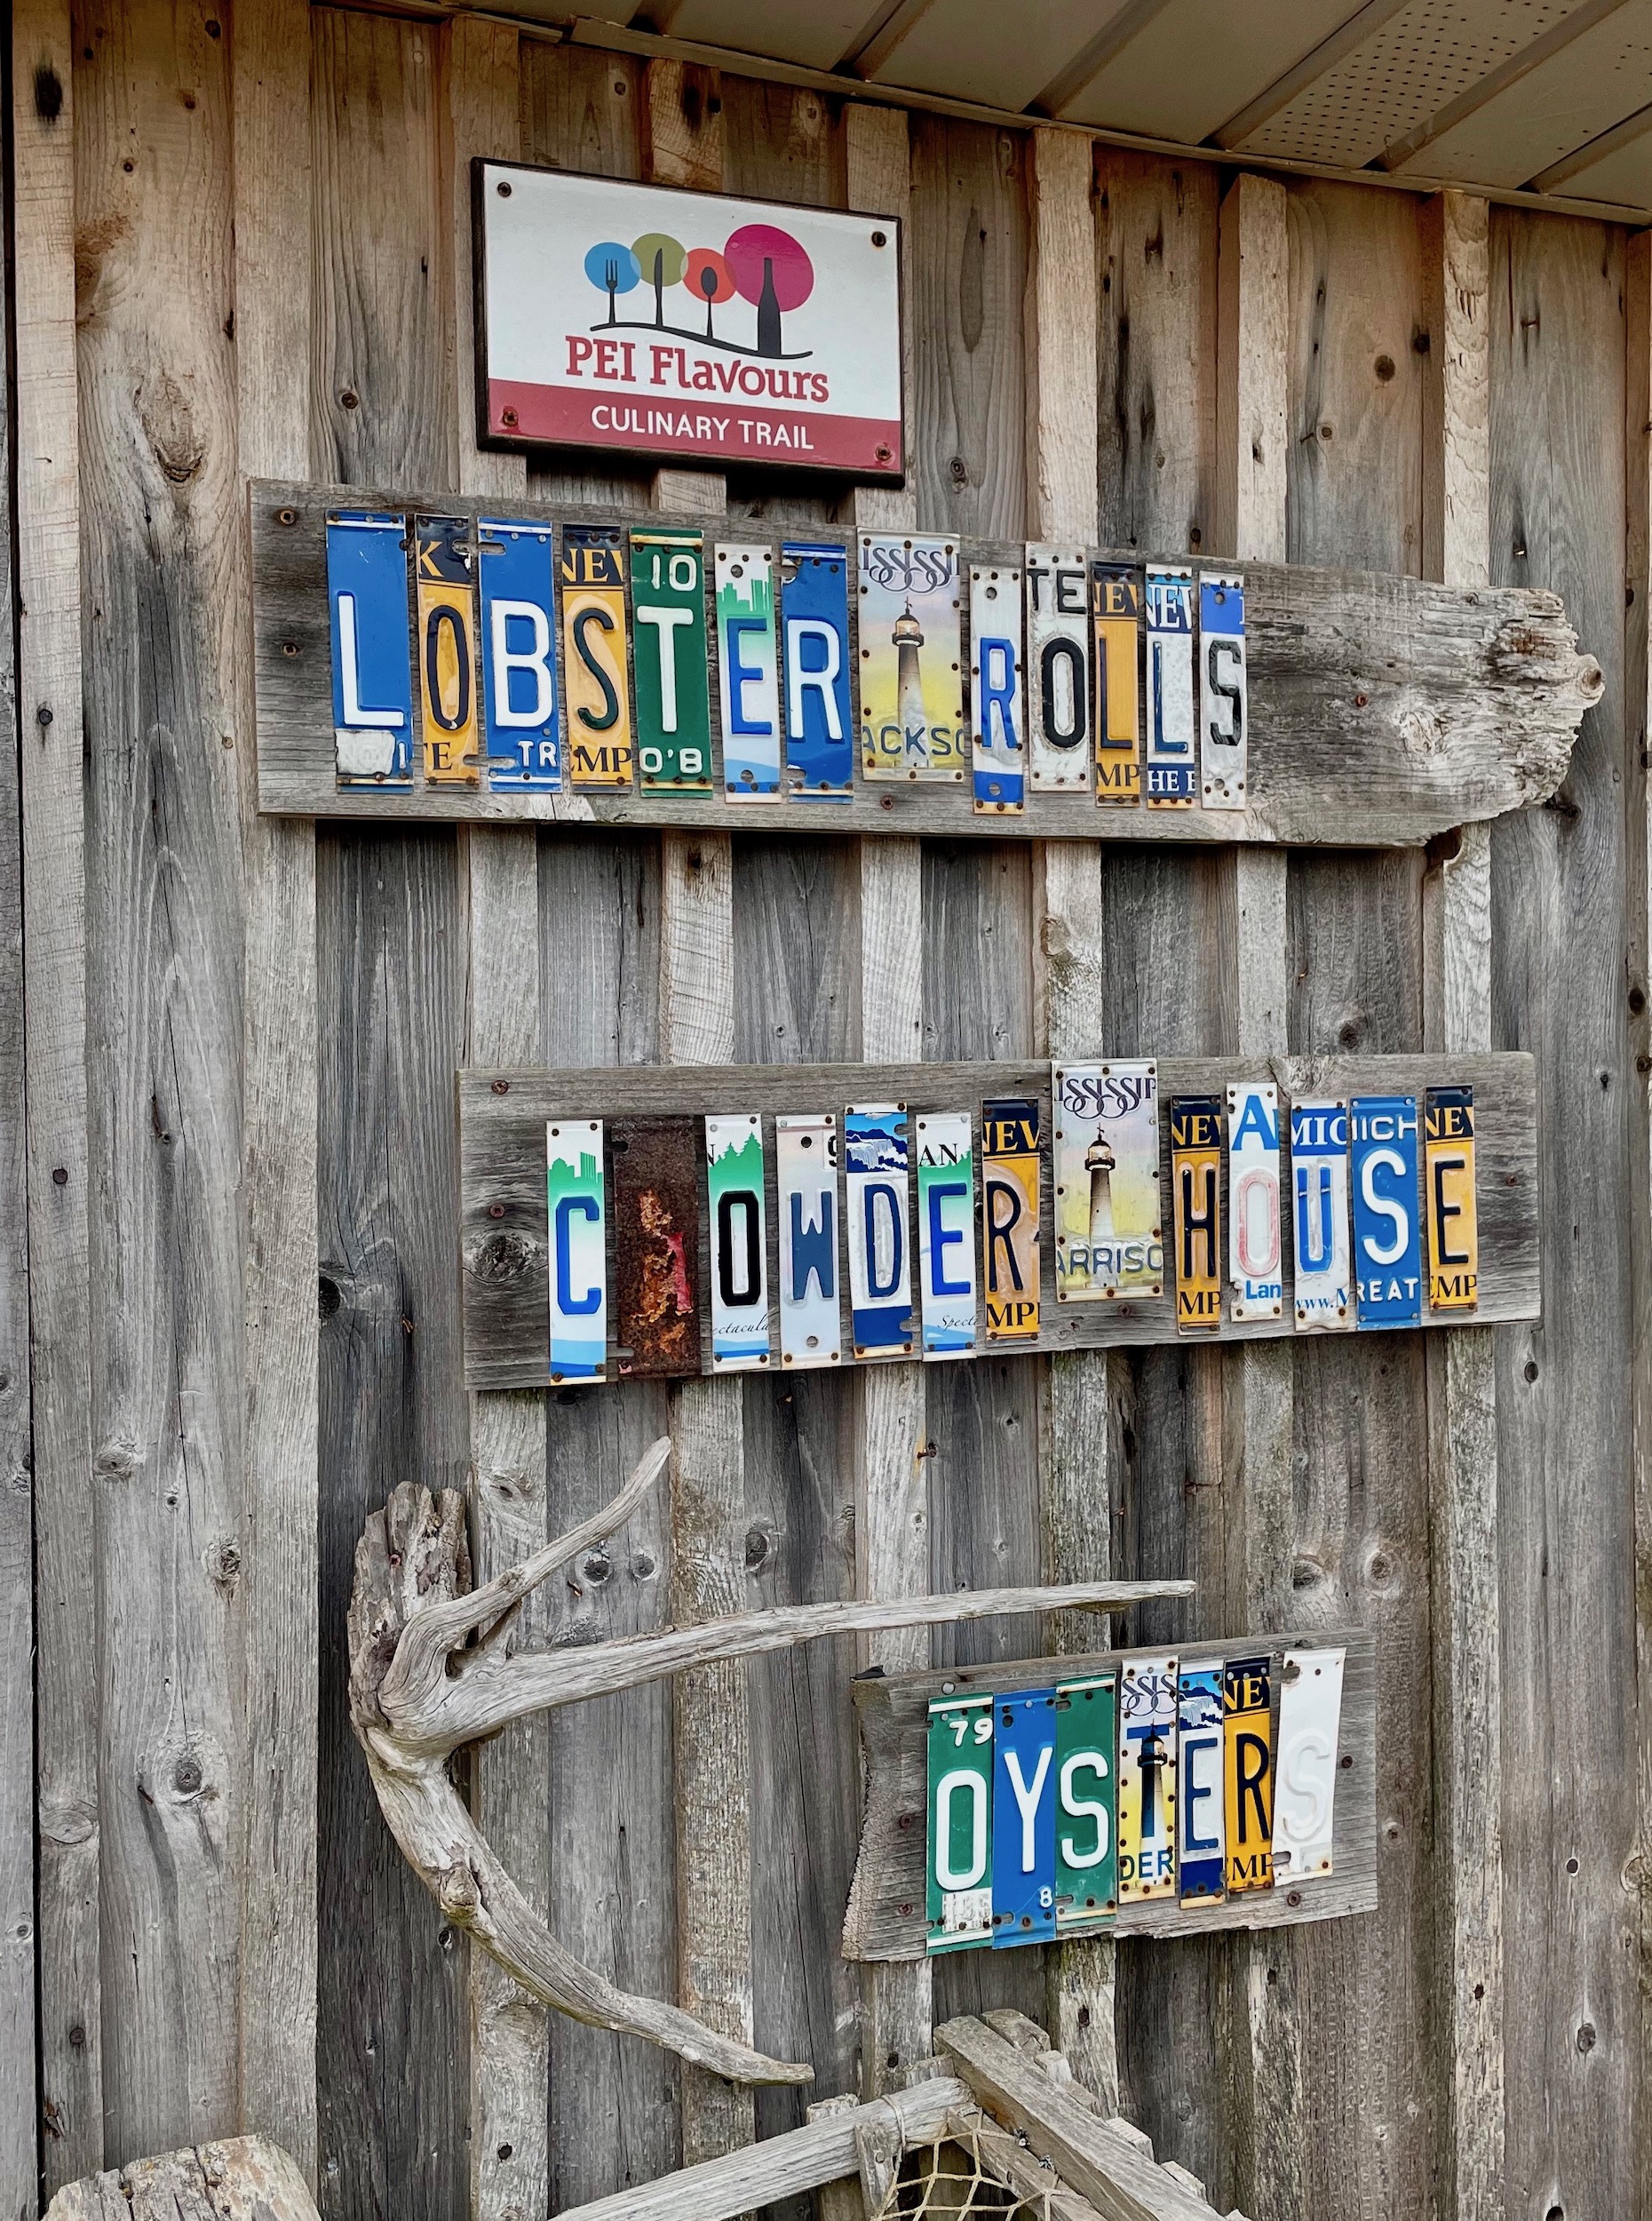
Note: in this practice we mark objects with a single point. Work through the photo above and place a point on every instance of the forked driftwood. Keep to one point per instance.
(431, 1668)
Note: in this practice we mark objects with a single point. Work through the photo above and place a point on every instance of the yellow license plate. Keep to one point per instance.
(445, 583)
(1247, 1719)
(1448, 1168)
(1196, 1186)
(1009, 1233)
(593, 652)
(1116, 614)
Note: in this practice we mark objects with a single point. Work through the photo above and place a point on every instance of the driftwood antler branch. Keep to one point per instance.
(430, 1669)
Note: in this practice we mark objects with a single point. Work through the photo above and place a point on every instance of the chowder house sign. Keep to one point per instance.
(672, 323)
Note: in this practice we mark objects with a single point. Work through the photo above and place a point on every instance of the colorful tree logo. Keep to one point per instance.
(759, 263)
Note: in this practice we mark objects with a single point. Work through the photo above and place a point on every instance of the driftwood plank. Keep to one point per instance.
(503, 1233)
(1557, 885)
(244, 2179)
(823, 2151)
(54, 944)
(1104, 2166)
(1383, 709)
(886, 1917)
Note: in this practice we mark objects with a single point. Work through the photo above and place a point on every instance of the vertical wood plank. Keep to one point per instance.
(270, 59)
(1076, 1525)
(390, 938)
(1564, 1449)
(1462, 1367)
(162, 561)
(891, 1478)
(1156, 268)
(1359, 1529)
(1638, 879)
(510, 2034)
(614, 2103)
(614, 2113)
(968, 249)
(19, 2109)
(1157, 260)
(968, 258)
(712, 1735)
(54, 981)
(1265, 2032)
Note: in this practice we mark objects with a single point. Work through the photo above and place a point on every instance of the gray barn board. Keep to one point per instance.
(886, 1917)
(212, 999)
(1382, 710)
(505, 1240)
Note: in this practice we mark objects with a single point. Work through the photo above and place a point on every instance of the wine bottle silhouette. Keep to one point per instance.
(769, 312)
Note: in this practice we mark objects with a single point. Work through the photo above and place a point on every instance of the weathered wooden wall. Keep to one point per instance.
(269, 239)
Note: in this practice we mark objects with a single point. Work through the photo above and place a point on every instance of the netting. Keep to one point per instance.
(965, 2172)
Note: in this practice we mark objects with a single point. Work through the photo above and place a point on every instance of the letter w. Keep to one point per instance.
(814, 1249)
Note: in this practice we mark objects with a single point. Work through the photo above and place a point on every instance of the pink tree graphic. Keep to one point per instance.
(770, 269)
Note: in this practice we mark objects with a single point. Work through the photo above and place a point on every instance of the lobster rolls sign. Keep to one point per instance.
(672, 323)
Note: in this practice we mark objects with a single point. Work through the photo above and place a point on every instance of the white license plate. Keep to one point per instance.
(911, 661)
(748, 674)
(1057, 670)
(1108, 1237)
(733, 1181)
(1224, 704)
(1319, 1173)
(1148, 1703)
(576, 1206)
(877, 1183)
(1171, 752)
(1254, 1265)
(997, 695)
(806, 1179)
(1305, 1771)
(946, 1232)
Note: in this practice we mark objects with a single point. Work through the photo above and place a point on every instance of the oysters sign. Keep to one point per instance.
(670, 323)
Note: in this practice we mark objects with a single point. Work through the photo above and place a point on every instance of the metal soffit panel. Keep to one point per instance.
(1195, 62)
(1550, 95)
(1588, 85)
(1428, 54)
(982, 50)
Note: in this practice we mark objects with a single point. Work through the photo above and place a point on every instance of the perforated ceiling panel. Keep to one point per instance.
(1411, 67)
(1197, 62)
(1582, 89)
(1622, 172)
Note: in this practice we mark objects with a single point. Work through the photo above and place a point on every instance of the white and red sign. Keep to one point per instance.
(663, 322)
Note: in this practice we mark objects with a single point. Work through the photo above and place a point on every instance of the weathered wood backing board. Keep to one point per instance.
(1382, 710)
(886, 1919)
(1177, 2031)
(1575, 2058)
(504, 1240)
(1355, 1547)
(390, 2043)
(391, 2067)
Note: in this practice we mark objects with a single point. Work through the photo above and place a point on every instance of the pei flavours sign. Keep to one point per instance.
(686, 324)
